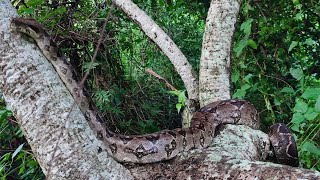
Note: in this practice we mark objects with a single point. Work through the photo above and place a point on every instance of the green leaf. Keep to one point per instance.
(295, 127)
(252, 44)
(311, 94)
(2, 168)
(295, 2)
(246, 27)
(235, 76)
(310, 42)
(32, 164)
(174, 92)
(178, 106)
(6, 156)
(300, 106)
(28, 11)
(248, 77)
(288, 90)
(21, 170)
(87, 66)
(182, 97)
(296, 73)
(317, 105)
(311, 114)
(310, 147)
(245, 87)
(297, 118)
(21, 155)
(299, 16)
(240, 46)
(239, 94)
(17, 150)
(292, 45)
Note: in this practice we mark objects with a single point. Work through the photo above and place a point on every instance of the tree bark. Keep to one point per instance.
(215, 56)
(233, 154)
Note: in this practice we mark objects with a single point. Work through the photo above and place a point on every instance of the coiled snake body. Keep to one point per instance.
(165, 144)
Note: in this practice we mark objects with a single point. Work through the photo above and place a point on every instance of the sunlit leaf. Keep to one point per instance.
(292, 45)
(17, 150)
(296, 73)
(310, 42)
(301, 106)
(311, 94)
(178, 106)
(239, 94)
(252, 44)
(246, 26)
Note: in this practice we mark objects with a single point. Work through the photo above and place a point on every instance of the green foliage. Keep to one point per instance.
(281, 67)
(181, 98)
(16, 160)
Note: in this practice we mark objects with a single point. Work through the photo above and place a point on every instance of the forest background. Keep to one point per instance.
(275, 65)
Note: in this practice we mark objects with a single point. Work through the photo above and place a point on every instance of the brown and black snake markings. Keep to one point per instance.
(165, 144)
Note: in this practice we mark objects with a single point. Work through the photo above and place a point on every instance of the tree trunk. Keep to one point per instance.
(233, 154)
(215, 55)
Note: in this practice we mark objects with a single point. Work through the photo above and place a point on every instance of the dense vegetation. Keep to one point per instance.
(275, 66)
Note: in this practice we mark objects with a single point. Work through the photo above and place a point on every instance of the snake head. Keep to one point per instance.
(284, 145)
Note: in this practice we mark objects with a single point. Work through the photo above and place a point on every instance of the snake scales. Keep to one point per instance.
(165, 144)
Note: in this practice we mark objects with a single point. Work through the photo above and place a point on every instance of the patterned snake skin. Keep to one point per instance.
(165, 144)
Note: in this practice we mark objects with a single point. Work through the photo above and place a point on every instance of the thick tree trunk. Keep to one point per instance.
(233, 154)
(215, 55)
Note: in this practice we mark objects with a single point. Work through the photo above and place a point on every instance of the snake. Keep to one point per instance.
(166, 144)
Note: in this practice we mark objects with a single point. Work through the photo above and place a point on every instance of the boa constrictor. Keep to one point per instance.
(165, 144)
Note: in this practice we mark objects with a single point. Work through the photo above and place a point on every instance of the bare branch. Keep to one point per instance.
(150, 71)
(164, 42)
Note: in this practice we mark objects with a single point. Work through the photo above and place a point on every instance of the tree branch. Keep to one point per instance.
(215, 55)
(235, 153)
(164, 42)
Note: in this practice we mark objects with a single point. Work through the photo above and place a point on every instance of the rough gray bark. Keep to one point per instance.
(63, 143)
(215, 56)
(234, 154)
(164, 42)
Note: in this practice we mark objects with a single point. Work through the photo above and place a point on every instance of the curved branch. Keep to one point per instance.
(164, 42)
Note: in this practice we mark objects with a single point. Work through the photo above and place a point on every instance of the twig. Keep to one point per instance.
(150, 71)
(81, 84)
